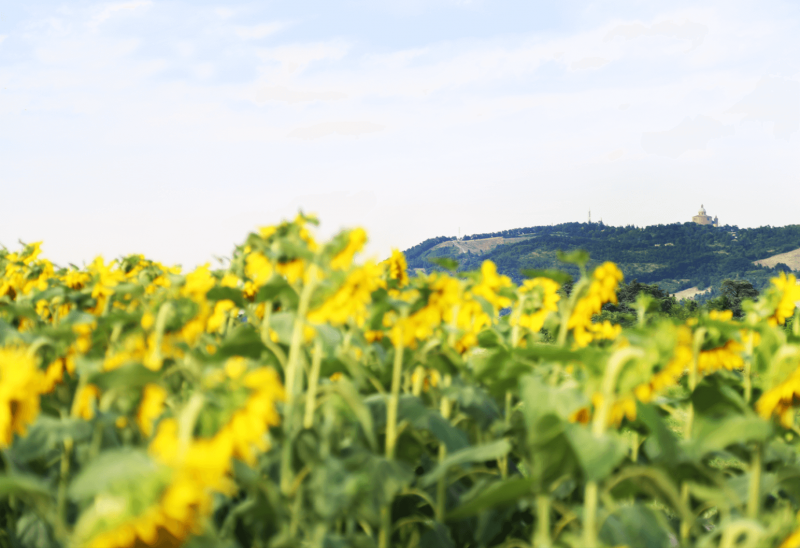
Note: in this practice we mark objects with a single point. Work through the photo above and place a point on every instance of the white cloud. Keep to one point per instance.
(589, 63)
(256, 32)
(280, 93)
(690, 134)
(775, 100)
(111, 10)
(687, 30)
(325, 129)
(616, 155)
(295, 58)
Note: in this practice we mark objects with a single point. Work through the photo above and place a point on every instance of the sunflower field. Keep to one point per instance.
(303, 398)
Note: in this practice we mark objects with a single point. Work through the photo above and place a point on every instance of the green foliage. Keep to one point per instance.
(675, 256)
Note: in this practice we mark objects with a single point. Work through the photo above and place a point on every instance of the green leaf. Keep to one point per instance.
(283, 325)
(331, 337)
(412, 409)
(551, 352)
(23, 485)
(577, 257)
(597, 456)
(636, 525)
(476, 453)
(48, 434)
(633, 481)
(555, 275)
(351, 396)
(48, 294)
(488, 338)
(278, 289)
(110, 468)
(243, 341)
(715, 396)
(546, 406)
(226, 293)
(445, 262)
(740, 485)
(132, 289)
(486, 306)
(661, 445)
(475, 402)
(715, 435)
(499, 493)
(437, 537)
(33, 532)
(497, 369)
(131, 375)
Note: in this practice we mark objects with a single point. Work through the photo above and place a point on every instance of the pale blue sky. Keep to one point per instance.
(174, 128)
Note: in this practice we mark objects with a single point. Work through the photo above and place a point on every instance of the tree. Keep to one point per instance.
(734, 292)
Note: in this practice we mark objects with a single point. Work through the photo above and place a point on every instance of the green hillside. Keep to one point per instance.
(675, 256)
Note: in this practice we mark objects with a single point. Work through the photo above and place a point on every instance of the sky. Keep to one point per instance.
(174, 128)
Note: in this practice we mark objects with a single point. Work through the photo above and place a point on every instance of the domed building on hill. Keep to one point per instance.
(702, 219)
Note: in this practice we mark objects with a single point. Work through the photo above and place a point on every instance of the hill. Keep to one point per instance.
(676, 256)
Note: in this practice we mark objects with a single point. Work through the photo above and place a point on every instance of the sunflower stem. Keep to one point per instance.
(313, 381)
(697, 345)
(590, 515)
(292, 384)
(615, 365)
(391, 434)
(394, 400)
(541, 536)
(63, 483)
(441, 485)
(754, 489)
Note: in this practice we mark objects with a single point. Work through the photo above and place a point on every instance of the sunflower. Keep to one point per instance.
(603, 289)
(21, 383)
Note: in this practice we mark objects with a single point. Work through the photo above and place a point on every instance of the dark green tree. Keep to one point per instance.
(733, 292)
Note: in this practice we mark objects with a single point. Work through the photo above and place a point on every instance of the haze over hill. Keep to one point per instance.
(677, 256)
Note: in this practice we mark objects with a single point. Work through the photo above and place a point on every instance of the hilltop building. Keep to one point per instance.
(702, 219)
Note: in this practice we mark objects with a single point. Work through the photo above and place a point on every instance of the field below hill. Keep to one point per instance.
(690, 293)
(677, 257)
(482, 245)
(790, 259)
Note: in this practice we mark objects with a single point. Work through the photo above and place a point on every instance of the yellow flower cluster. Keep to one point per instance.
(728, 356)
(538, 298)
(445, 294)
(423, 379)
(673, 371)
(21, 384)
(168, 523)
(603, 289)
(452, 302)
(199, 466)
(779, 401)
(398, 268)
(789, 294)
(24, 272)
(150, 408)
(355, 241)
(621, 408)
(350, 301)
